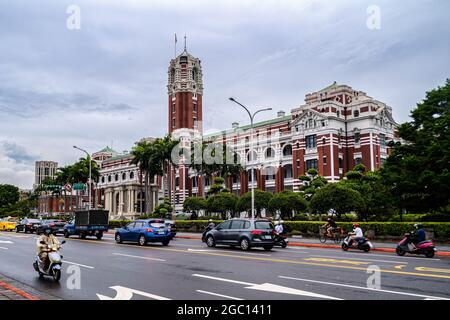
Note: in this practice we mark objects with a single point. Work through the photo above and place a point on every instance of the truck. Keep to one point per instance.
(88, 223)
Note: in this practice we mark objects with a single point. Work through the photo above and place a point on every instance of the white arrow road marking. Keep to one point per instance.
(3, 248)
(364, 288)
(78, 264)
(270, 288)
(219, 295)
(123, 293)
(6, 241)
(137, 257)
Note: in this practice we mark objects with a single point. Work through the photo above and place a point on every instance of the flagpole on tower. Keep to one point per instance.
(175, 50)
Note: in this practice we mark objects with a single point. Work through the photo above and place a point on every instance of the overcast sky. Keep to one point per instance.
(105, 83)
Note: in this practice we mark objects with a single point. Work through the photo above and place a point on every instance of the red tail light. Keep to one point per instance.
(149, 230)
(52, 224)
(258, 232)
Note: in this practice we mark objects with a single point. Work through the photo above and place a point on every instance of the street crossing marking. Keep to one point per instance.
(219, 295)
(79, 264)
(137, 257)
(364, 288)
(269, 287)
(124, 293)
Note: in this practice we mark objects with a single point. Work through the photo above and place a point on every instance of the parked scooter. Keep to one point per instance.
(426, 247)
(361, 244)
(280, 240)
(53, 267)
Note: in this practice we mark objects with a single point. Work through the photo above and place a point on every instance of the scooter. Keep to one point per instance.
(280, 240)
(426, 247)
(53, 267)
(361, 244)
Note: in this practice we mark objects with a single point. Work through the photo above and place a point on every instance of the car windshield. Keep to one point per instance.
(157, 225)
(263, 225)
(33, 221)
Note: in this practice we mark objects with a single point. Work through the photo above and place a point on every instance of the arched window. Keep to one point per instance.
(249, 173)
(356, 113)
(124, 176)
(269, 173)
(109, 178)
(131, 175)
(103, 179)
(116, 177)
(287, 150)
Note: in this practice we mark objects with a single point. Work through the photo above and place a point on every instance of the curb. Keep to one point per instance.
(18, 291)
(326, 246)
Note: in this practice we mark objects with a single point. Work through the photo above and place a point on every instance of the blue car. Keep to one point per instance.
(144, 231)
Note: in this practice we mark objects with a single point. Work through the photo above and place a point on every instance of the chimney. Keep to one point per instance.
(281, 113)
(235, 125)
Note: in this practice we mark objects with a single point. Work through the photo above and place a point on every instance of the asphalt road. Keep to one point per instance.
(188, 270)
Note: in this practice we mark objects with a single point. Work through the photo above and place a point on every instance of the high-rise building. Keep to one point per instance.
(44, 170)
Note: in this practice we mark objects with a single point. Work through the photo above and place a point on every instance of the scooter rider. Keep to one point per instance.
(330, 226)
(46, 239)
(279, 227)
(211, 225)
(356, 235)
(418, 234)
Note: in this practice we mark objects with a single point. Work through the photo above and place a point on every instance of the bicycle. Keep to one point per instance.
(335, 235)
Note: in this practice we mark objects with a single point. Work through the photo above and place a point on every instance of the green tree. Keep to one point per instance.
(194, 205)
(418, 171)
(262, 199)
(9, 195)
(223, 203)
(337, 197)
(287, 202)
(163, 208)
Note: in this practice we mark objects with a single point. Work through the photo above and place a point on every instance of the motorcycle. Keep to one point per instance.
(426, 247)
(361, 244)
(53, 266)
(280, 240)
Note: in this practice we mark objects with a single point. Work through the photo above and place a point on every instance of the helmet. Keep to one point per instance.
(210, 220)
(276, 222)
(328, 219)
(356, 225)
(47, 231)
(418, 226)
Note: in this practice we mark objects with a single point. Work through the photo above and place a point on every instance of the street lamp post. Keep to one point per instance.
(252, 116)
(90, 175)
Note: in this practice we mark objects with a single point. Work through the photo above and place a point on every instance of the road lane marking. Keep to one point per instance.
(79, 264)
(269, 287)
(6, 242)
(369, 260)
(280, 260)
(137, 257)
(364, 288)
(231, 252)
(352, 262)
(124, 293)
(400, 267)
(219, 295)
(432, 269)
(3, 248)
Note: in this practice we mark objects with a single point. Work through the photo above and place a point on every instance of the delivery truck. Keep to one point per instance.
(91, 223)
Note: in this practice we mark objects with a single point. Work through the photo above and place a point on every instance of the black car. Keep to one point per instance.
(244, 233)
(57, 226)
(28, 225)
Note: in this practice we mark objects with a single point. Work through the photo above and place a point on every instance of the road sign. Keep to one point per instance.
(79, 186)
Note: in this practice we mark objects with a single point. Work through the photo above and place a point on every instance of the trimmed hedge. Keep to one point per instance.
(382, 229)
(117, 223)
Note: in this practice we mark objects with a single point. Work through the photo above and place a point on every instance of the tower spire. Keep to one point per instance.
(185, 43)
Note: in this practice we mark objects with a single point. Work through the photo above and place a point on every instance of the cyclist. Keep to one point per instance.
(330, 226)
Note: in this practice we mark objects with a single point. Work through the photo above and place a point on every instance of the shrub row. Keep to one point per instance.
(382, 229)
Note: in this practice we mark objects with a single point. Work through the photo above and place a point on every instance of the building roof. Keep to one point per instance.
(248, 126)
(107, 150)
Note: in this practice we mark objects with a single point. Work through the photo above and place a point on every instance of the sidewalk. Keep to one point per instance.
(297, 241)
(14, 290)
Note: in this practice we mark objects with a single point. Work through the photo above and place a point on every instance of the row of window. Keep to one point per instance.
(270, 153)
(116, 177)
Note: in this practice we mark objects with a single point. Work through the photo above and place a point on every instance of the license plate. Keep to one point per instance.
(160, 232)
(267, 237)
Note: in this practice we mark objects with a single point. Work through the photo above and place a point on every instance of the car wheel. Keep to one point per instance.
(99, 236)
(118, 238)
(268, 248)
(66, 234)
(17, 230)
(82, 235)
(210, 242)
(142, 240)
(165, 243)
(244, 244)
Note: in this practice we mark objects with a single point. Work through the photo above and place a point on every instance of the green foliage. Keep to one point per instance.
(337, 197)
(163, 209)
(194, 205)
(287, 202)
(223, 203)
(353, 175)
(304, 178)
(262, 199)
(9, 195)
(418, 171)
